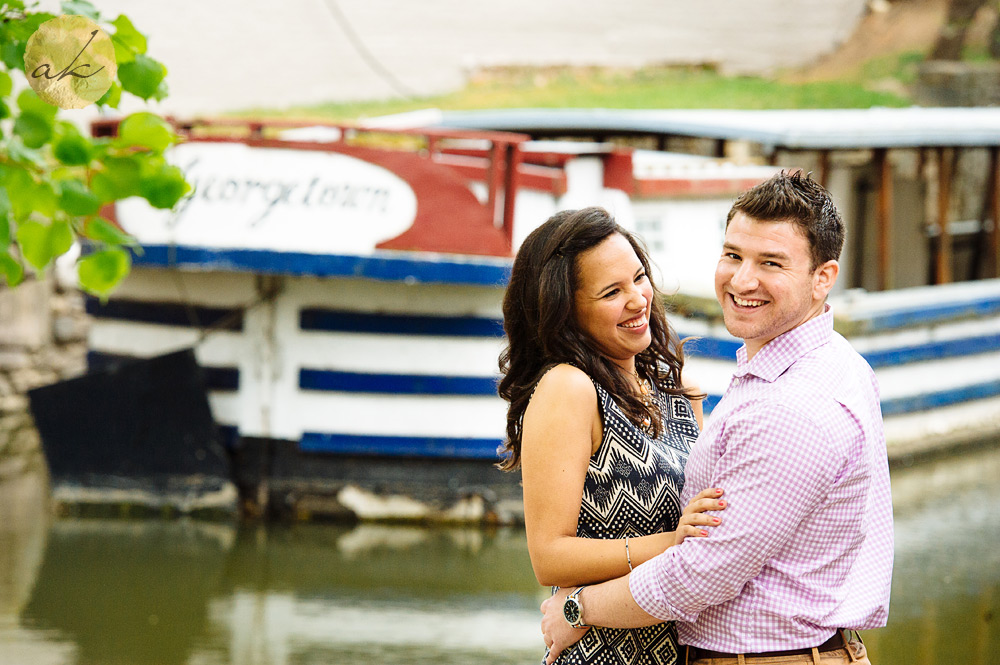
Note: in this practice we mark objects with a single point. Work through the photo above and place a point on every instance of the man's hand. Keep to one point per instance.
(558, 634)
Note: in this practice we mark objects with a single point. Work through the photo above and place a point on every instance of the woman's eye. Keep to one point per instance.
(611, 293)
(641, 276)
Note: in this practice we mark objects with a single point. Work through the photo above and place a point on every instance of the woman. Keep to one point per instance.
(599, 421)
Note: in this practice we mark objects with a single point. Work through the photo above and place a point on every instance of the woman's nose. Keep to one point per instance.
(637, 299)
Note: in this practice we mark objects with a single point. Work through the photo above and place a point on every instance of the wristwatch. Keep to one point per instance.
(573, 609)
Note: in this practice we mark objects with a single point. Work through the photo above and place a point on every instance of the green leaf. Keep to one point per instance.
(35, 130)
(164, 187)
(112, 96)
(81, 8)
(161, 91)
(40, 243)
(4, 224)
(70, 147)
(21, 154)
(142, 76)
(123, 53)
(27, 196)
(5, 211)
(146, 130)
(6, 84)
(14, 38)
(126, 33)
(119, 178)
(4, 109)
(29, 102)
(104, 231)
(11, 269)
(77, 200)
(11, 52)
(101, 272)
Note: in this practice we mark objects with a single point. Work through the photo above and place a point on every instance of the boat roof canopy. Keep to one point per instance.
(806, 129)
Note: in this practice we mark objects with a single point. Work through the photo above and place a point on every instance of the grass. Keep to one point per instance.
(879, 82)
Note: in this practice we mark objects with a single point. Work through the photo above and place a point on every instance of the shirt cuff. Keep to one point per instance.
(647, 591)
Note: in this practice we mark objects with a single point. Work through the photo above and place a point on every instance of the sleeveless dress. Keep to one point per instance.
(633, 487)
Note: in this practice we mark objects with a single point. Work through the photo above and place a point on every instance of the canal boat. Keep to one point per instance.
(341, 288)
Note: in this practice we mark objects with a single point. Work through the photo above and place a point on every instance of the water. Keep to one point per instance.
(108, 592)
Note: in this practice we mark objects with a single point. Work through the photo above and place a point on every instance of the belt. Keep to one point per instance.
(832, 644)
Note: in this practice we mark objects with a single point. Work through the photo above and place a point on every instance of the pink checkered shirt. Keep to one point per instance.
(806, 543)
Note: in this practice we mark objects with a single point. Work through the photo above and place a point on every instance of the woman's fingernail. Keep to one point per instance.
(722, 503)
(704, 533)
(715, 520)
(718, 490)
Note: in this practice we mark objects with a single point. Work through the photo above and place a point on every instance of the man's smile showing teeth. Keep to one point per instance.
(748, 303)
(634, 323)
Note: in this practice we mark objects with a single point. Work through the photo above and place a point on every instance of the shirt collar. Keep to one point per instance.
(778, 355)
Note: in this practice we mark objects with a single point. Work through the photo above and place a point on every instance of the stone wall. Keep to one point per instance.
(43, 339)
(946, 83)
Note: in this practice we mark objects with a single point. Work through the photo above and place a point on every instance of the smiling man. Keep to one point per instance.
(805, 550)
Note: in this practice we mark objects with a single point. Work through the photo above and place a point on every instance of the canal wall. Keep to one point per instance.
(43, 339)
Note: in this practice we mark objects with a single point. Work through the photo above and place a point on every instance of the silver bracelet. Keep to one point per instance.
(628, 556)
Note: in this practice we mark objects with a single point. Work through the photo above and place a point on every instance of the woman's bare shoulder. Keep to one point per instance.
(565, 381)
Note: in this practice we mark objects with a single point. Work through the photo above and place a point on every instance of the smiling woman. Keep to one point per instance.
(599, 421)
(613, 300)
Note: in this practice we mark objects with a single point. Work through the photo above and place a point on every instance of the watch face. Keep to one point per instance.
(571, 610)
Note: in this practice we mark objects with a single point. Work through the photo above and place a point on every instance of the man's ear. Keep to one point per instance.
(824, 277)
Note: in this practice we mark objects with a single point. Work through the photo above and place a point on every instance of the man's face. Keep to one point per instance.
(764, 280)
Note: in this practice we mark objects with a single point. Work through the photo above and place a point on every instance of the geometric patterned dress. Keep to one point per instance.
(632, 487)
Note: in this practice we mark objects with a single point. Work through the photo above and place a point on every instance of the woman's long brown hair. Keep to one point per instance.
(542, 331)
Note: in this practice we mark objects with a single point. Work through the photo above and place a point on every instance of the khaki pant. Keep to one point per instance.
(853, 654)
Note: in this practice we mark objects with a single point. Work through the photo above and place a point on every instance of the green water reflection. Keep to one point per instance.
(96, 592)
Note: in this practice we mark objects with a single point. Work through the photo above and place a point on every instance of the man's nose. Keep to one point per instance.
(745, 277)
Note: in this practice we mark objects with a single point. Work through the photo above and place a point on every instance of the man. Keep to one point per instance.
(805, 547)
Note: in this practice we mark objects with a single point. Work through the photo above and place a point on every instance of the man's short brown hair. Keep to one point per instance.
(799, 199)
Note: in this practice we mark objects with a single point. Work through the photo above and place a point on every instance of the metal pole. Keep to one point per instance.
(994, 185)
(824, 167)
(883, 217)
(510, 191)
(942, 273)
(493, 177)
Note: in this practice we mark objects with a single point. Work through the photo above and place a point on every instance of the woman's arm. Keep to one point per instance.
(561, 430)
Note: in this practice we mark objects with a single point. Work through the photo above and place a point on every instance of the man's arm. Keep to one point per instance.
(776, 466)
(607, 604)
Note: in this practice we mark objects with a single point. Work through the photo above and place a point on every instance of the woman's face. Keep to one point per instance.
(613, 300)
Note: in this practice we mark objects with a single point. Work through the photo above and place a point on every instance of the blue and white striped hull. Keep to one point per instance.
(389, 369)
